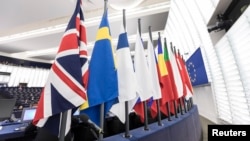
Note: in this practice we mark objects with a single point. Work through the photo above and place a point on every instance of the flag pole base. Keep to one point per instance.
(127, 136)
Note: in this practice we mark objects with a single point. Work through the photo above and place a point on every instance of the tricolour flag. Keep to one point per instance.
(196, 69)
(142, 75)
(102, 85)
(64, 89)
(171, 76)
(127, 83)
(164, 80)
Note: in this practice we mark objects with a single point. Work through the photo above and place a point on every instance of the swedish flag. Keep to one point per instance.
(102, 83)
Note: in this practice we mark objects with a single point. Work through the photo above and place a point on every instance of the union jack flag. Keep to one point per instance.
(66, 84)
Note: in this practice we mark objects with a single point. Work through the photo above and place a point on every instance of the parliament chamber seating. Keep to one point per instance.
(25, 97)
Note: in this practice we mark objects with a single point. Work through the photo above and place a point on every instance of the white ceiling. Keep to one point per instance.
(26, 16)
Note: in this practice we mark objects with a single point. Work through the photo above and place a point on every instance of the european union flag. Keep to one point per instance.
(196, 69)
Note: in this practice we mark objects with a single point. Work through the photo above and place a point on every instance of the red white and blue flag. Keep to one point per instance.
(65, 88)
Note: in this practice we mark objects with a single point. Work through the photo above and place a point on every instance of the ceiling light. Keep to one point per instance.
(148, 10)
(124, 4)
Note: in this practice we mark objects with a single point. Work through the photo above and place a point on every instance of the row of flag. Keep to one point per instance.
(110, 77)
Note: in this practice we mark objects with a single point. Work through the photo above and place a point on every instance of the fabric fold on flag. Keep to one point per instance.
(142, 70)
(127, 83)
(143, 78)
(187, 86)
(64, 89)
(152, 65)
(102, 85)
(171, 76)
(176, 74)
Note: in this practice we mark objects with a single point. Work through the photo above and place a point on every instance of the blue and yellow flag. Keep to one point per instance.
(102, 82)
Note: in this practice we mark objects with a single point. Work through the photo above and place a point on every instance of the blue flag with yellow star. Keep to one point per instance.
(196, 69)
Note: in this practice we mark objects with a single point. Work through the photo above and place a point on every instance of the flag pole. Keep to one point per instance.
(184, 104)
(102, 105)
(63, 125)
(127, 135)
(181, 109)
(175, 109)
(101, 120)
(191, 102)
(144, 102)
(168, 110)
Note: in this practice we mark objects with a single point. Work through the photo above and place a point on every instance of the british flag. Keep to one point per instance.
(65, 88)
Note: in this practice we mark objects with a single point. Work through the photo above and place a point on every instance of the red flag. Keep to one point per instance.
(139, 110)
(187, 79)
(171, 76)
(181, 71)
